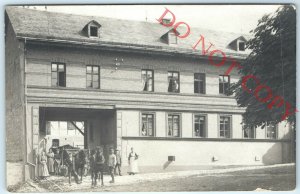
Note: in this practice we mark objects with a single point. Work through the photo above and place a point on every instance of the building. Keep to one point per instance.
(131, 84)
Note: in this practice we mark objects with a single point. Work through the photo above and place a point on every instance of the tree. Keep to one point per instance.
(273, 61)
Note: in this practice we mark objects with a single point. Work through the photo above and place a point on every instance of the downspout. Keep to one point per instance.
(25, 110)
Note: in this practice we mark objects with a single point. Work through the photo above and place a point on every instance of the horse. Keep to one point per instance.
(67, 161)
(80, 161)
(97, 161)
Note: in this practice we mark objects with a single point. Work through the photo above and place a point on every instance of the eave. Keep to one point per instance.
(126, 47)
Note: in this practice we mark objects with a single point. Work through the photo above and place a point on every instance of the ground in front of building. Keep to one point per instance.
(281, 178)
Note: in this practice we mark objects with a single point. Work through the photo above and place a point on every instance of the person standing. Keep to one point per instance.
(57, 161)
(43, 166)
(112, 162)
(119, 163)
(50, 156)
(132, 161)
(93, 168)
(100, 161)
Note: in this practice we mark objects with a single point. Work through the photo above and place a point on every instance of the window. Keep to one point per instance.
(199, 83)
(173, 79)
(225, 126)
(147, 78)
(166, 20)
(224, 81)
(172, 37)
(58, 74)
(199, 126)
(173, 125)
(249, 132)
(147, 125)
(241, 46)
(92, 76)
(94, 31)
(271, 131)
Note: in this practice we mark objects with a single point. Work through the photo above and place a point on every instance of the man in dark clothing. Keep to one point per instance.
(100, 160)
(119, 162)
(93, 168)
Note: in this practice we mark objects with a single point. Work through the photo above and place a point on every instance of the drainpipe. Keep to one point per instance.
(25, 111)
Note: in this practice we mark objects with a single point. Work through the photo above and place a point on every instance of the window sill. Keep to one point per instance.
(203, 139)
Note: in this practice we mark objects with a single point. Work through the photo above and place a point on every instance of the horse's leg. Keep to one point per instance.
(96, 176)
(102, 183)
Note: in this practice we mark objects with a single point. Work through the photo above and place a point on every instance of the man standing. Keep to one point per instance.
(112, 161)
(119, 162)
(100, 160)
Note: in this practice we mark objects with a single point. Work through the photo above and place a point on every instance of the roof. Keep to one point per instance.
(51, 25)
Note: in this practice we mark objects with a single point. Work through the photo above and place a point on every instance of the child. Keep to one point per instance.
(119, 163)
(112, 161)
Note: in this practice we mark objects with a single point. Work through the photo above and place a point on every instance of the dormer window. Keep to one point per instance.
(166, 21)
(172, 38)
(241, 46)
(238, 44)
(92, 29)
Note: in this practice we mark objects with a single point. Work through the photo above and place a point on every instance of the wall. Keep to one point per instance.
(189, 150)
(14, 95)
(156, 152)
(128, 75)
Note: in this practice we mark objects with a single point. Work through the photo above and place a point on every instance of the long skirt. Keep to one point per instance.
(51, 165)
(44, 169)
(133, 165)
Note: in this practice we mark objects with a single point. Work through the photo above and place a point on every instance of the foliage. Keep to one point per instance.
(273, 61)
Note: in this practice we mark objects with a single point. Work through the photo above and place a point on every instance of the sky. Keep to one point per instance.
(229, 18)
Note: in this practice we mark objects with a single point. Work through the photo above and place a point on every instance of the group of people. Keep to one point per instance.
(97, 164)
(50, 164)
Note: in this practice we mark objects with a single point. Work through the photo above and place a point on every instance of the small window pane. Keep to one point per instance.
(61, 68)
(54, 67)
(93, 31)
(96, 78)
(95, 69)
(96, 85)
(89, 69)
(241, 46)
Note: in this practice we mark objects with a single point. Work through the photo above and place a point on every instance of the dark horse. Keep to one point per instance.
(80, 161)
(67, 161)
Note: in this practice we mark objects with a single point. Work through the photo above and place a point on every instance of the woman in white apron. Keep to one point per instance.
(132, 161)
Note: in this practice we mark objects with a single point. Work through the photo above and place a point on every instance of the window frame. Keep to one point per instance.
(254, 133)
(205, 126)
(153, 124)
(230, 127)
(199, 81)
(238, 45)
(172, 34)
(57, 74)
(179, 125)
(276, 131)
(92, 75)
(224, 92)
(90, 31)
(172, 72)
(152, 79)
